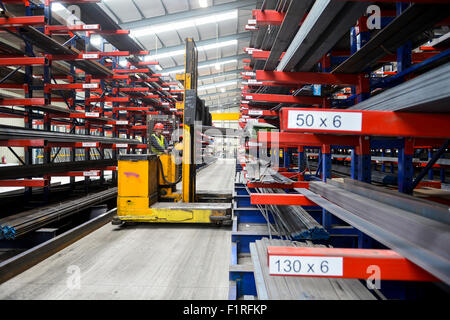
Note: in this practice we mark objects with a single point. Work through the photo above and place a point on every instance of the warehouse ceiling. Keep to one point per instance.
(218, 28)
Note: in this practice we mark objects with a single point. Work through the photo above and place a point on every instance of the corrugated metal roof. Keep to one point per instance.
(164, 25)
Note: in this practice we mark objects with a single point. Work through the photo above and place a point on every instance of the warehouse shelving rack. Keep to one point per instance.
(300, 85)
(106, 102)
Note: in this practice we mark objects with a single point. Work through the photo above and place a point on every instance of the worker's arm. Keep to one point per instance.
(156, 145)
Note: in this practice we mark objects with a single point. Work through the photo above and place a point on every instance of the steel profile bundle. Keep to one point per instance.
(37, 170)
(12, 132)
(411, 23)
(422, 207)
(17, 225)
(300, 288)
(422, 240)
(296, 222)
(428, 92)
(325, 24)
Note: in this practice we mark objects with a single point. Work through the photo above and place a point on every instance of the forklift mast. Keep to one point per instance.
(189, 117)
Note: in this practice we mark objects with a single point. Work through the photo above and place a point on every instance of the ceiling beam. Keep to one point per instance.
(219, 93)
(217, 9)
(221, 74)
(240, 36)
(222, 83)
(208, 62)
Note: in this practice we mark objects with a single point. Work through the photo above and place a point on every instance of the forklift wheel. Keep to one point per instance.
(116, 221)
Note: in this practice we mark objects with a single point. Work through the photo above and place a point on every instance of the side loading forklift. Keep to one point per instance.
(147, 182)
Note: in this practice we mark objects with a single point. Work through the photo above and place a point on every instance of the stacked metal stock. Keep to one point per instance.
(17, 225)
(292, 221)
(415, 228)
(295, 222)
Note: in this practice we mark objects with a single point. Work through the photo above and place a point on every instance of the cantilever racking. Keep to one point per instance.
(106, 95)
(357, 96)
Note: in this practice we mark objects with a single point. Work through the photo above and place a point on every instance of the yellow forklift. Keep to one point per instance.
(147, 183)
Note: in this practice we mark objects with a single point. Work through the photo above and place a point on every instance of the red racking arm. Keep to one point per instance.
(280, 199)
(344, 263)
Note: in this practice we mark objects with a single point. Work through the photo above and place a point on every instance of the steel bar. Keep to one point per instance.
(428, 92)
(37, 170)
(11, 132)
(427, 209)
(326, 23)
(421, 240)
(294, 14)
(407, 26)
(299, 224)
(18, 264)
(17, 225)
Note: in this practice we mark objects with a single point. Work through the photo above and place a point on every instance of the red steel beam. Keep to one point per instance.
(23, 61)
(22, 21)
(134, 89)
(268, 17)
(24, 183)
(108, 99)
(73, 57)
(70, 86)
(131, 70)
(22, 143)
(90, 173)
(309, 140)
(307, 78)
(253, 112)
(60, 29)
(281, 98)
(304, 185)
(109, 53)
(292, 175)
(280, 199)
(23, 102)
(263, 55)
(73, 144)
(377, 123)
(346, 263)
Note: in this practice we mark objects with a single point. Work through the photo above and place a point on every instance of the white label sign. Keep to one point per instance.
(91, 56)
(90, 173)
(255, 112)
(245, 102)
(249, 97)
(90, 26)
(121, 122)
(92, 114)
(251, 21)
(306, 266)
(89, 144)
(90, 86)
(121, 145)
(325, 120)
(250, 74)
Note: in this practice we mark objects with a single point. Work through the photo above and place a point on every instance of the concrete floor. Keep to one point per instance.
(138, 262)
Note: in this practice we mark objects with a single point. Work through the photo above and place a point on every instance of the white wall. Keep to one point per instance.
(4, 151)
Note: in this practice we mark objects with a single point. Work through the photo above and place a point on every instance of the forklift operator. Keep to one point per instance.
(158, 141)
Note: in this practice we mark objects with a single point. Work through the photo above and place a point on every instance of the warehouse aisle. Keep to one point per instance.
(138, 262)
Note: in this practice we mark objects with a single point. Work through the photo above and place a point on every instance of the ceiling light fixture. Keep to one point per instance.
(173, 53)
(183, 24)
